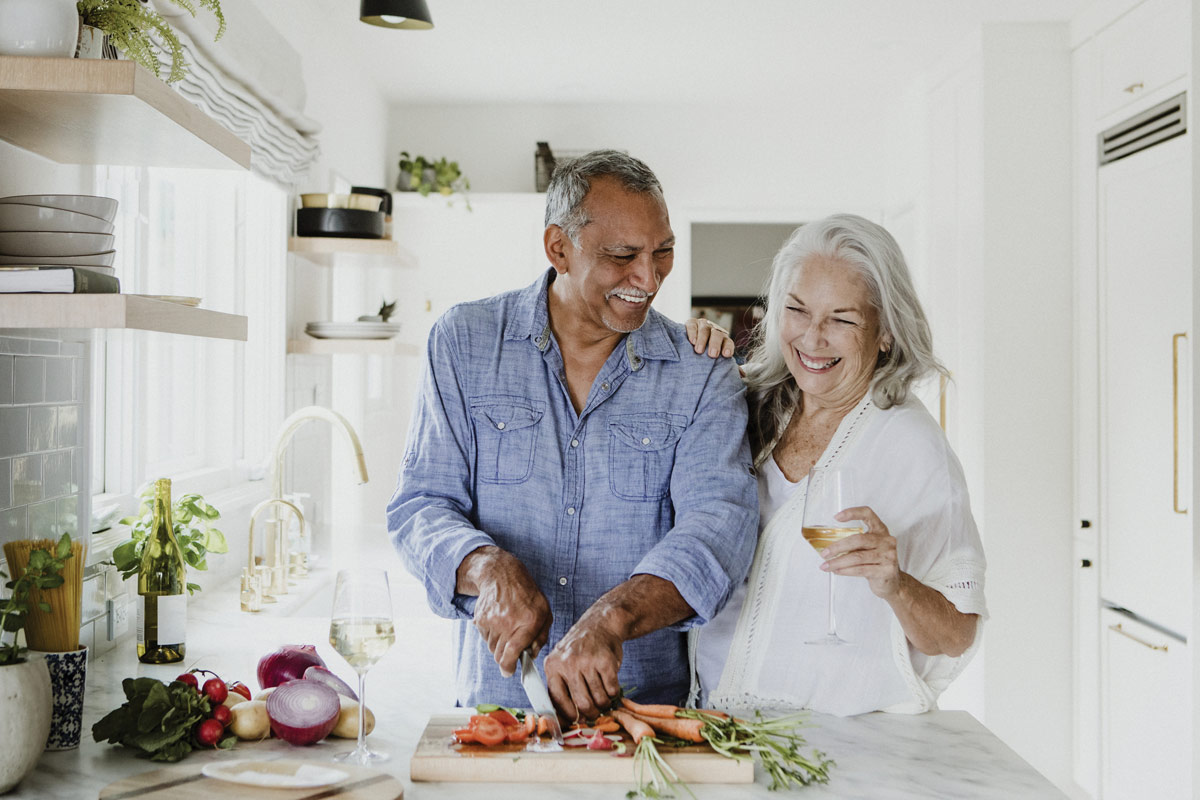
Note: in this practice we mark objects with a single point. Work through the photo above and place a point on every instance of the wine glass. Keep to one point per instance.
(829, 491)
(361, 630)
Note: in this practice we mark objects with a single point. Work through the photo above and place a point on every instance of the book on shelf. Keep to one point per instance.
(64, 280)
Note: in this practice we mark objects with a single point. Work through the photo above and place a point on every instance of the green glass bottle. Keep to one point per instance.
(162, 584)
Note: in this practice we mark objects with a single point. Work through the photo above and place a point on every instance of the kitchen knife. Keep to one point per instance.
(539, 698)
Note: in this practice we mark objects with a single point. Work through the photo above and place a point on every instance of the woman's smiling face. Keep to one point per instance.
(830, 334)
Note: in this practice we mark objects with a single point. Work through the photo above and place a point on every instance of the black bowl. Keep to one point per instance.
(350, 223)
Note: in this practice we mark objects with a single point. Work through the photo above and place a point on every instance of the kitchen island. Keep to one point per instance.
(939, 754)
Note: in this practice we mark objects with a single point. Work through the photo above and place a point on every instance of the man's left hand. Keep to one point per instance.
(581, 671)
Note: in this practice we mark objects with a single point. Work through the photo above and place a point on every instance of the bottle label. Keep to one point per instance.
(141, 619)
(172, 618)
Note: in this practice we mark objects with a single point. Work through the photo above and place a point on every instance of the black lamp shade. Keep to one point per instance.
(410, 14)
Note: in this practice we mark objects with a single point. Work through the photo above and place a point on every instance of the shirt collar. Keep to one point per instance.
(531, 321)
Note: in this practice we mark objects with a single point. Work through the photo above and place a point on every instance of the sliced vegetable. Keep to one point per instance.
(287, 664)
(323, 675)
(599, 742)
(249, 720)
(503, 716)
(465, 735)
(488, 731)
(303, 712)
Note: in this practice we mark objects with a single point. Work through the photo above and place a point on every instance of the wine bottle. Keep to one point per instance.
(162, 580)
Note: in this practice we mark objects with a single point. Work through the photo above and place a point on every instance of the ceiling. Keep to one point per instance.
(659, 51)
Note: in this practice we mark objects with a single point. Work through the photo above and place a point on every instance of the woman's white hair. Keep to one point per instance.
(871, 251)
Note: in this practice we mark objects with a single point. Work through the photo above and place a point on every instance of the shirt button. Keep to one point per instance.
(604, 386)
(500, 426)
(574, 443)
(646, 440)
(571, 511)
(562, 581)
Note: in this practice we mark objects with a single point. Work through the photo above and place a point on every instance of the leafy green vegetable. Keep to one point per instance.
(41, 573)
(157, 719)
(662, 778)
(775, 741)
(191, 519)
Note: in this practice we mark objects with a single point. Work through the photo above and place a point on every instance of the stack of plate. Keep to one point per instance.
(352, 330)
(57, 230)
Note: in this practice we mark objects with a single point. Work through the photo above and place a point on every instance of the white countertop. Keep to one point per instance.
(938, 754)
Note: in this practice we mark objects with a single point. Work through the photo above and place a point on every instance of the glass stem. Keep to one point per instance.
(832, 623)
(362, 712)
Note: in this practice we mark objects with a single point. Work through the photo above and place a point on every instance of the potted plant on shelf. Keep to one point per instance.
(25, 695)
(423, 175)
(191, 518)
(138, 31)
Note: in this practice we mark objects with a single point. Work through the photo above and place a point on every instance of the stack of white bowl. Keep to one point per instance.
(57, 230)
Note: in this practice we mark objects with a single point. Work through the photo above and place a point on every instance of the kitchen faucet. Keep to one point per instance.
(277, 555)
(259, 582)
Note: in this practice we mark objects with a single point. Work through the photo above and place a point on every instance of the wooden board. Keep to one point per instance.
(439, 758)
(184, 782)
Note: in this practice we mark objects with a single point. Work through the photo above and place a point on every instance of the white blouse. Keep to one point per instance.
(753, 653)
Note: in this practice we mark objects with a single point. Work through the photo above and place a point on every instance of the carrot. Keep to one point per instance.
(666, 711)
(637, 729)
(686, 729)
(607, 727)
(712, 712)
(543, 725)
(531, 722)
(603, 719)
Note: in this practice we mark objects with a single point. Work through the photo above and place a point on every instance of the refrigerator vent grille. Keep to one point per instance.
(1164, 121)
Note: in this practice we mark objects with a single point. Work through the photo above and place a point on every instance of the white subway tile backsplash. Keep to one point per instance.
(29, 379)
(43, 520)
(14, 431)
(14, 524)
(67, 514)
(6, 379)
(14, 346)
(5, 484)
(73, 348)
(43, 431)
(60, 380)
(26, 480)
(43, 347)
(68, 434)
(57, 474)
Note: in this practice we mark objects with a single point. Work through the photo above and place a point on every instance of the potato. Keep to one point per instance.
(264, 694)
(233, 699)
(347, 724)
(249, 720)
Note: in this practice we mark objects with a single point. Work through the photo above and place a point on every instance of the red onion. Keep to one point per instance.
(287, 664)
(303, 712)
(322, 675)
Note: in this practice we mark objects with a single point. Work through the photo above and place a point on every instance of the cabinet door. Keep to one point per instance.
(1145, 288)
(1147, 712)
(1141, 52)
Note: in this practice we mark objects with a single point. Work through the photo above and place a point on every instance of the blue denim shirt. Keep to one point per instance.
(654, 477)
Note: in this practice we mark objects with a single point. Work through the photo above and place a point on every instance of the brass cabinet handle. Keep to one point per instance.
(1175, 420)
(1133, 87)
(1118, 629)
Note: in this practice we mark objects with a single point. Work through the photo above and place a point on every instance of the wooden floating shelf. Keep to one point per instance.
(93, 111)
(366, 347)
(55, 311)
(323, 249)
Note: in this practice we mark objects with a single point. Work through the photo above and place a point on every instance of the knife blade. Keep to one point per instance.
(539, 698)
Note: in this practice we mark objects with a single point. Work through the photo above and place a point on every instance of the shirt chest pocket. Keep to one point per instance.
(641, 454)
(506, 430)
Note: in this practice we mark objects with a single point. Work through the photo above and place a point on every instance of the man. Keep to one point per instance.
(575, 474)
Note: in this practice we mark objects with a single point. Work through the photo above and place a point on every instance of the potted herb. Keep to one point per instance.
(26, 701)
(420, 174)
(191, 518)
(140, 32)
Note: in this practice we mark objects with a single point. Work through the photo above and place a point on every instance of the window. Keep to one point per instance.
(194, 409)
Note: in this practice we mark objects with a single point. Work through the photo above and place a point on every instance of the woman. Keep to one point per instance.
(830, 380)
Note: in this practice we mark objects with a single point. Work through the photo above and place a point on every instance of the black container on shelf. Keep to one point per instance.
(350, 223)
(386, 208)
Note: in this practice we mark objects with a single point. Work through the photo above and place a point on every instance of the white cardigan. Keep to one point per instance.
(753, 653)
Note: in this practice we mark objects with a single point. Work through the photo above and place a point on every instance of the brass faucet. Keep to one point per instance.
(263, 584)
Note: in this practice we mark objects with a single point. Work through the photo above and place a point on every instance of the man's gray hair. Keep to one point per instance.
(572, 179)
(872, 252)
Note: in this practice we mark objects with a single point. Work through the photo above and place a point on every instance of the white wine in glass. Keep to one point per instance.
(828, 493)
(361, 630)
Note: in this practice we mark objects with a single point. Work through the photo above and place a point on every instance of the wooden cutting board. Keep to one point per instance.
(184, 782)
(439, 758)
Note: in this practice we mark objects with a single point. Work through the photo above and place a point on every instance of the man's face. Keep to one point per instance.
(624, 253)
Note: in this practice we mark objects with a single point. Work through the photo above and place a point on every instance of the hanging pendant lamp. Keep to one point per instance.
(408, 14)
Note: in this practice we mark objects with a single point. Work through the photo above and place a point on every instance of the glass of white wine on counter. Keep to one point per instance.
(361, 630)
(829, 491)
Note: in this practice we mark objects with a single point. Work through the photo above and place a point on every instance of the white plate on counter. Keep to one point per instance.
(352, 330)
(281, 774)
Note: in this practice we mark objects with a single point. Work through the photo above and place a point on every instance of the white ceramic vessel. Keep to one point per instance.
(25, 704)
(38, 28)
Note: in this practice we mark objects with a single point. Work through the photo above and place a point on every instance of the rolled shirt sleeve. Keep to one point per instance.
(709, 549)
